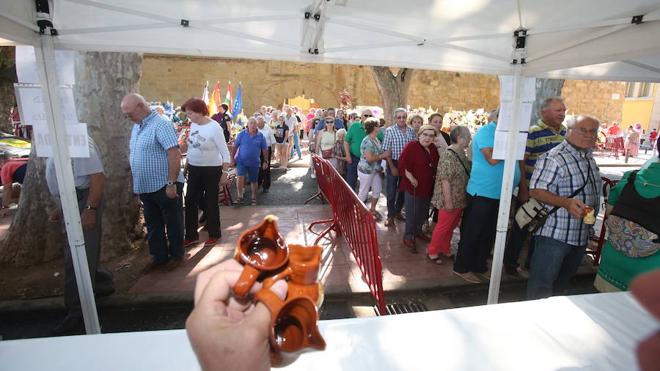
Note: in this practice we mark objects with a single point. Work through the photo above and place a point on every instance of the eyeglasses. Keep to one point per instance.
(401, 117)
(587, 132)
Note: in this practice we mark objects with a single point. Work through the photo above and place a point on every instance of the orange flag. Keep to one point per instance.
(214, 99)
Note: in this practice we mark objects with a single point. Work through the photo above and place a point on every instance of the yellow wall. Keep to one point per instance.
(637, 110)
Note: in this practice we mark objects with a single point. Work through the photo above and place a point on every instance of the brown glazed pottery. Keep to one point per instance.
(260, 249)
(302, 273)
(294, 327)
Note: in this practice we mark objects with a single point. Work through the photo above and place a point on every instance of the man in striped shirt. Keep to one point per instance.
(548, 132)
(559, 245)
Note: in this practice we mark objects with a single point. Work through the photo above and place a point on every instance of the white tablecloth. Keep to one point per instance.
(588, 332)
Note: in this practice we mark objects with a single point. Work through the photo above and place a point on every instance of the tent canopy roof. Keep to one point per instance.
(587, 39)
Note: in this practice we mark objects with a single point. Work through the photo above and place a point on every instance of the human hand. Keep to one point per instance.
(228, 333)
(523, 195)
(264, 165)
(413, 181)
(224, 179)
(170, 191)
(88, 218)
(54, 216)
(394, 171)
(646, 290)
(349, 160)
(574, 207)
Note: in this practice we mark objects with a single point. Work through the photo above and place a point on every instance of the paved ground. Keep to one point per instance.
(407, 277)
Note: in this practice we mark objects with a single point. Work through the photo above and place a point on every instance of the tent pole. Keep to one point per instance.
(45, 56)
(506, 193)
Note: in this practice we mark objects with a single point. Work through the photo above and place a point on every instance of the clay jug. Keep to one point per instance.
(302, 273)
(260, 249)
(293, 327)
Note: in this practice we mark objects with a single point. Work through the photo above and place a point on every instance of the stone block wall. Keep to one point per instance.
(177, 78)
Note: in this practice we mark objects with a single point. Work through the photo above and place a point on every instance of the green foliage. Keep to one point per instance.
(7, 57)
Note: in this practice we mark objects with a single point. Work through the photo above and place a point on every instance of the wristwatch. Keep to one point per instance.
(90, 207)
(170, 183)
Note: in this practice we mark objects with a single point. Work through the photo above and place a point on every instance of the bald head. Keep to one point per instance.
(135, 107)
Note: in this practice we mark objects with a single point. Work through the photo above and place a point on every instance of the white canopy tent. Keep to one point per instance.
(585, 39)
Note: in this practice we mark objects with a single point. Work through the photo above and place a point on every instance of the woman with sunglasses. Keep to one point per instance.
(417, 165)
(325, 141)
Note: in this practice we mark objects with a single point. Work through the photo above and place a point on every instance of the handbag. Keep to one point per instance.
(328, 153)
(631, 234)
(532, 214)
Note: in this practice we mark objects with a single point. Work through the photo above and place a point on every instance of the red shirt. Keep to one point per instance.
(653, 135)
(422, 165)
(9, 168)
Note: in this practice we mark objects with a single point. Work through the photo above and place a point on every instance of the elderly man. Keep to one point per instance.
(250, 149)
(352, 143)
(264, 171)
(565, 178)
(396, 137)
(89, 182)
(548, 132)
(155, 162)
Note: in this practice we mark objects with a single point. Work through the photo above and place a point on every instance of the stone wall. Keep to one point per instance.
(270, 82)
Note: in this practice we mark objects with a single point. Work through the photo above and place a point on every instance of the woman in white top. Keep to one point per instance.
(325, 141)
(207, 157)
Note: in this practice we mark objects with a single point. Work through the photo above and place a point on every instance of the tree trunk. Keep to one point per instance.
(545, 88)
(31, 238)
(7, 80)
(393, 88)
(103, 80)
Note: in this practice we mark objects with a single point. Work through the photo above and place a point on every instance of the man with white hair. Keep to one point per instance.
(155, 162)
(565, 178)
(352, 142)
(396, 137)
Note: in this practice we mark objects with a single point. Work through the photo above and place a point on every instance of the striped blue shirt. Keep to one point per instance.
(150, 140)
(541, 139)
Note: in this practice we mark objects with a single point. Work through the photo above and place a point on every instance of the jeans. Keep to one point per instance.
(478, 230)
(264, 175)
(554, 263)
(296, 146)
(203, 180)
(417, 211)
(351, 172)
(162, 213)
(395, 198)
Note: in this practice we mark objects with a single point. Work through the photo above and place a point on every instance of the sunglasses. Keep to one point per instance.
(367, 115)
(329, 121)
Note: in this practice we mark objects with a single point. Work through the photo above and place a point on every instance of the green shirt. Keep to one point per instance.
(354, 137)
(615, 267)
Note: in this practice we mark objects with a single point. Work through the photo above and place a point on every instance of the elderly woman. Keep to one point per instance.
(369, 167)
(207, 157)
(340, 153)
(325, 140)
(634, 212)
(449, 195)
(250, 146)
(417, 165)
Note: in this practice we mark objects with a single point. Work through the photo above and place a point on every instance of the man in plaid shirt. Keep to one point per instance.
(396, 137)
(559, 245)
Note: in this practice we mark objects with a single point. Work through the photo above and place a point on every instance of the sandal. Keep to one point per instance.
(435, 260)
(238, 201)
(376, 214)
(253, 202)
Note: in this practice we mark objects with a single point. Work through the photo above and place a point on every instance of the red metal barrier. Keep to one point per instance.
(608, 184)
(354, 221)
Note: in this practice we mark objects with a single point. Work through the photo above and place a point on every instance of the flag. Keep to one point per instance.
(238, 103)
(214, 100)
(205, 93)
(228, 97)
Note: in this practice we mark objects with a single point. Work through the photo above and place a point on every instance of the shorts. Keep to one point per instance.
(252, 172)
